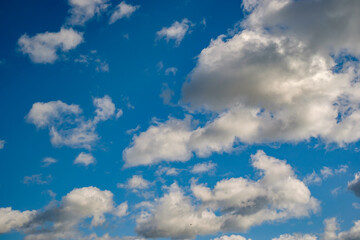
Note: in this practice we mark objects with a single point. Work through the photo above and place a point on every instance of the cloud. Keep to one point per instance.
(354, 185)
(203, 167)
(278, 195)
(48, 161)
(44, 47)
(2, 143)
(296, 237)
(83, 10)
(94, 60)
(331, 226)
(325, 172)
(166, 94)
(168, 171)
(176, 31)
(230, 237)
(123, 10)
(136, 182)
(172, 70)
(60, 220)
(84, 159)
(66, 124)
(37, 179)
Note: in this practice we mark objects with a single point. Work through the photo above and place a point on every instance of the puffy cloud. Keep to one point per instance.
(352, 234)
(354, 185)
(12, 219)
(242, 203)
(59, 220)
(135, 183)
(122, 210)
(296, 237)
(165, 141)
(2, 143)
(203, 167)
(43, 47)
(230, 237)
(123, 10)
(325, 172)
(83, 10)
(331, 226)
(67, 126)
(176, 31)
(48, 161)
(84, 159)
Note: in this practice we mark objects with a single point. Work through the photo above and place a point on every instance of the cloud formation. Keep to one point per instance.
(44, 47)
(176, 31)
(242, 203)
(354, 185)
(84, 159)
(82, 11)
(123, 10)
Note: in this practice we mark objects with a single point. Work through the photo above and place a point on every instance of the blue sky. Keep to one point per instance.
(190, 119)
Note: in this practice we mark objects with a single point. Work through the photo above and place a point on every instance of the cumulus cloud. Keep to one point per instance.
(325, 172)
(59, 221)
(82, 11)
(66, 124)
(354, 185)
(176, 31)
(136, 182)
(84, 159)
(2, 143)
(123, 10)
(242, 203)
(44, 47)
(203, 167)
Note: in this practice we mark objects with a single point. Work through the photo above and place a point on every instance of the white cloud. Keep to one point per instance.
(44, 47)
(168, 171)
(354, 185)
(94, 60)
(166, 94)
(123, 10)
(122, 210)
(48, 161)
(203, 167)
(312, 178)
(83, 10)
(176, 31)
(84, 159)
(296, 237)
(60, 220)
(242, 203)
(67, 126)
(172, 70)
(136, 182)
(37, 179)
(2, 143)
(331, 226)
(12, 219)
(230, 237)
(326, 172)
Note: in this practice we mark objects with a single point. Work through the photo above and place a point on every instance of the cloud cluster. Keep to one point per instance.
(176, 31)
(272, 79)
(44, 47)
(242, 203)
(67, 126)
(325, 172)
(60, 220)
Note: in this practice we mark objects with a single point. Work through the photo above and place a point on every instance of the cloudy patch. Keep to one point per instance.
(123, 10)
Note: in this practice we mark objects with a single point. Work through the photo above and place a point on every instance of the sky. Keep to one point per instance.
(208, 120)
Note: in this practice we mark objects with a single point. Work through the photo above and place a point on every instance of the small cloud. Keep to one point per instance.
(131, 131)
(167, 171)
(326, 172)
(356, 205)
(176, 31)
(336, 191)
(48, 161)
(160, 65)
(354, 185)
(2, 143)
(37, 179)
(203, 167)
(122, 210)
(171, 70)
(123, 10)
(135, 183)
(84, 159)
(312, 178)
(166, 94)
(83, 11)
(93, 60)
(119, 113)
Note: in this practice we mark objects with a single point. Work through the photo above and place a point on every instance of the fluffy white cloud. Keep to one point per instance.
(2, 143)
(352, 234)
(242, 203)
(83, 10)
(123, 10)
(203, 167)
(325, 172)
(65, 216)
(331, 227)
(67, 126)
(296, 237)
(176, 31)
(354, 185)
(136, 182)
(43, 47)
(84, 159)
(12, 219)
